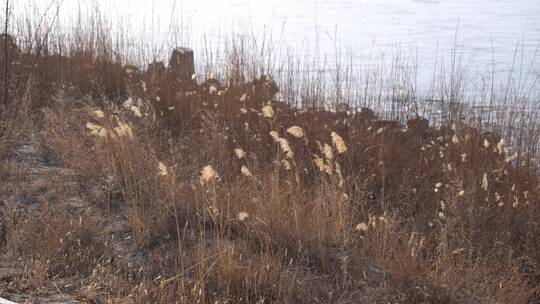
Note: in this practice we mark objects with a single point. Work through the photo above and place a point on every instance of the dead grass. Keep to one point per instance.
(357, 209)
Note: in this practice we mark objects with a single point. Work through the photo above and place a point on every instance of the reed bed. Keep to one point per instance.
(271, 183)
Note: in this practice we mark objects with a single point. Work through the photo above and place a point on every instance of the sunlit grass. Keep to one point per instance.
(239, 194)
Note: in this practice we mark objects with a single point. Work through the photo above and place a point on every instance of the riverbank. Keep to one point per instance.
(129, 185)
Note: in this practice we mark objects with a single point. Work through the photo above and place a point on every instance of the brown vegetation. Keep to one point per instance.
(117, 189)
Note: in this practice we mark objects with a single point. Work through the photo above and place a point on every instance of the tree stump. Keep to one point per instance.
(181, 69)
(12, 48)
(9, 52)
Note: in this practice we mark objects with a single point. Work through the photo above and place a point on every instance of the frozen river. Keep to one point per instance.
(486, 32)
